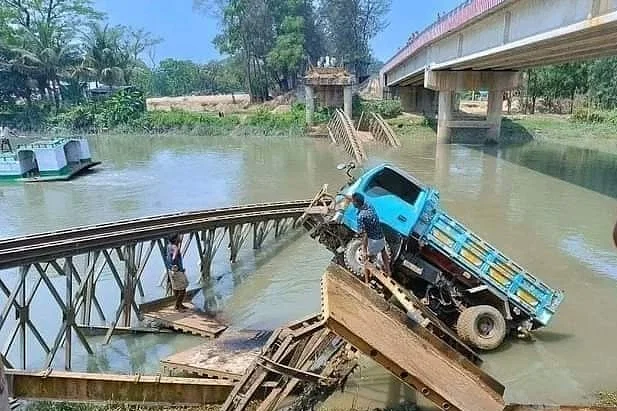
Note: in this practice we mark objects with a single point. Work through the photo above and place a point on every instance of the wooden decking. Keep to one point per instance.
(191, 321)
(227, 357)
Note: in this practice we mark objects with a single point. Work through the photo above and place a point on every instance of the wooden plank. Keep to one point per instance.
(381, 331)
(427, 319)
(166, 301)
(96, 330)
(226, 357)
(240, 385)
(296, 373)
(191, 321)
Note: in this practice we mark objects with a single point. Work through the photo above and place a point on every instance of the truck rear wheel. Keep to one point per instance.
(482, 326)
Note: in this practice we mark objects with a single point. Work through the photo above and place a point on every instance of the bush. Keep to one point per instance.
(206, 123)
(386, 108)
(583, 115)
(270, 121)
(122, 108)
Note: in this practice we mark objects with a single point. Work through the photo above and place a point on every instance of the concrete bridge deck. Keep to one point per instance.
(483, 44)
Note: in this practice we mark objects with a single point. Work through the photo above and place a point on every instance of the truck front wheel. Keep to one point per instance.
(352, 257)
(482, 326)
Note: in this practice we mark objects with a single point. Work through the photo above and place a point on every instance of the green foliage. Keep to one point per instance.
(174, 120)
(268, 120)
(586, 115)
(124, 107)
(386, 108)
(349, 28)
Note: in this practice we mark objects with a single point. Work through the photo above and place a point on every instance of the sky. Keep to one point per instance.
(188, 35)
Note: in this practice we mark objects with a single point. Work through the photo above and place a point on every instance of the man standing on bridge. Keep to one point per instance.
(175, 270)
(373, 238)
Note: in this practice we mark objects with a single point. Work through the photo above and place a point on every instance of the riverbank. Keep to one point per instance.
(518, 129)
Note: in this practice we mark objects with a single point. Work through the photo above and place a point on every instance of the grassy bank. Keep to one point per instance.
(261, 122)
(526, 128)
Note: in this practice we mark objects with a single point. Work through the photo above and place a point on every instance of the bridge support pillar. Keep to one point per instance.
(494, 115)
(417, 99)
(348, 101)
(309, 96)
(444, 131)
(448, 82)
(409, 99)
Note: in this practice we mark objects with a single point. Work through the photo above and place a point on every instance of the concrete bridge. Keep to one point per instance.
(484, 44)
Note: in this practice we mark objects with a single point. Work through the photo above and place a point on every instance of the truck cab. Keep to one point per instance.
(397, 196)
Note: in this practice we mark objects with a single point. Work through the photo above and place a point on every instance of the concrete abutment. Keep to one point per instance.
(447, 83)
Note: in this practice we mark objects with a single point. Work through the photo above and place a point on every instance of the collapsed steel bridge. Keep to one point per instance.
(124, 248)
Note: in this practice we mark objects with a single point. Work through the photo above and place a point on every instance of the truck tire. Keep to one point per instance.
(482, 326)
(351, 257)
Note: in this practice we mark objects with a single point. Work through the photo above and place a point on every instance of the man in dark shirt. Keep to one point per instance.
(175, 270)
(373, 239)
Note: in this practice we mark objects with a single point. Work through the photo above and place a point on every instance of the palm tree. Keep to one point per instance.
(104, 55)
(45, 58)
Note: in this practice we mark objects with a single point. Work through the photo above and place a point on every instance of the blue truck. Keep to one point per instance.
(468, 283)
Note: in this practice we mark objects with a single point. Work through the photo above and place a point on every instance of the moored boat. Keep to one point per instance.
(47, 160)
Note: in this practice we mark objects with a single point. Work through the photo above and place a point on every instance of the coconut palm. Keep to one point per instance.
(104, 55)
(45, 58)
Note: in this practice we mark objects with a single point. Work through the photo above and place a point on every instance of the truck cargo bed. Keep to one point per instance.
(503, 276)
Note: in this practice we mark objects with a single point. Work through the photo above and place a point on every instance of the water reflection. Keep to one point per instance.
(566, 163)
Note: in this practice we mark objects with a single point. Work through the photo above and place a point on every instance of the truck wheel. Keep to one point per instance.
(482, 326)
(351, 257)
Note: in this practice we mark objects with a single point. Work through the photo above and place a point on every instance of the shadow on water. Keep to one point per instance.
(590, 169)
(514, 133)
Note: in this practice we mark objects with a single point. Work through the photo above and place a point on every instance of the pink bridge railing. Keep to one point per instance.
(456, 18)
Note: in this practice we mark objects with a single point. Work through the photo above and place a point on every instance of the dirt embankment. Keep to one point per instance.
(226, 103)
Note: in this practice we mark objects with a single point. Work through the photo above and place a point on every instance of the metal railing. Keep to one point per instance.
(456, 18)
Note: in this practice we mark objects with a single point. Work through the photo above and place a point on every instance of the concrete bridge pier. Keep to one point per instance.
(417, 99)
(448, 82)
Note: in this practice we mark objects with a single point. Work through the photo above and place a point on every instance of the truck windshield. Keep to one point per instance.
(393, 183)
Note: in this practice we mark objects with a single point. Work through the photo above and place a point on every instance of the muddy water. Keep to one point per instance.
(549, 207)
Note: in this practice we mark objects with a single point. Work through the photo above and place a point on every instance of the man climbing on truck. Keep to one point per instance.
(373, 238)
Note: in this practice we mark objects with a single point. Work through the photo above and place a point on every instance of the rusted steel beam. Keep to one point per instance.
(46, 251)
(67, 386)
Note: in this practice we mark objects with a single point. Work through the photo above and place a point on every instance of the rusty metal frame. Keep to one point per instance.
(123, 249)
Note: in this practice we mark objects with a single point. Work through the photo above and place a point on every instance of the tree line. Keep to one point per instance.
(51, 49)
(594, 80)
(275, 41)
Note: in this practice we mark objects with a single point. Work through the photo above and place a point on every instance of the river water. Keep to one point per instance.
(549, 207)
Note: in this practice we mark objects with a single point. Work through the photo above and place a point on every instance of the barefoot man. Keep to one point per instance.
(373, 239)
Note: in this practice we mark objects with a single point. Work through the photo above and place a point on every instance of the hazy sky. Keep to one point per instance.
(188, 35)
